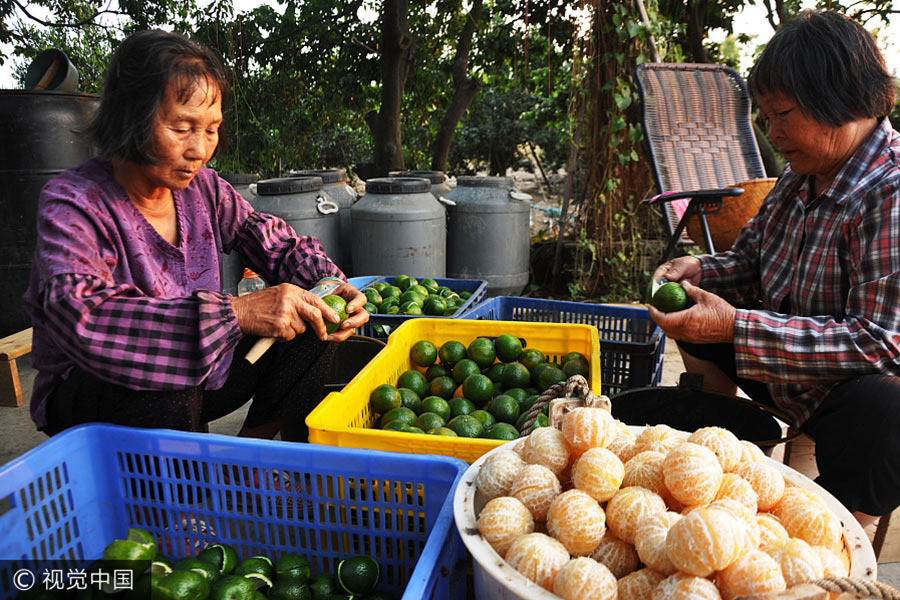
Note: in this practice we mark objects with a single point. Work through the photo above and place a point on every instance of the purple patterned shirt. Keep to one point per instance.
(828, 271)
(110, 295)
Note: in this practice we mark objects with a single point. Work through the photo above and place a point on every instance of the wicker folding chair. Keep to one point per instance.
(696, 121)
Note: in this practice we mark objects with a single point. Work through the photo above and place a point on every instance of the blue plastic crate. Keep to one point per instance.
(631, 344)
(64, 501)
(478, 287)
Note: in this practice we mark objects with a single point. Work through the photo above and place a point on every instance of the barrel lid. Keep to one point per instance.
(327, 175)
(240, 178)
(288, 185)
(398, 185)
(435, 177)
(478, 181)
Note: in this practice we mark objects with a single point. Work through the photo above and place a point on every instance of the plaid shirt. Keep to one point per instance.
(827, 270)
(110, 295)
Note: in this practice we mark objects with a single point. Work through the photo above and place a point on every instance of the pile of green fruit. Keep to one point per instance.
(408, 296)
(484, 390)
(216, 573)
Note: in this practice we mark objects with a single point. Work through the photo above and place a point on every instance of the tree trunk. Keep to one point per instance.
(464, 90)
(609, 260)
(696, 28)
(396, 54)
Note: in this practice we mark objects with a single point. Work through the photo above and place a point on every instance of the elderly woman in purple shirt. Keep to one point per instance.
(130, 324)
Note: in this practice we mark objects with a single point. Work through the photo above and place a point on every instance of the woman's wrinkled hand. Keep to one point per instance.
(710, 320)
(284, 311)
(683, 268)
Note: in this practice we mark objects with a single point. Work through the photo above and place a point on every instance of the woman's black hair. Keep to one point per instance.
(141, 70)
(830, 65)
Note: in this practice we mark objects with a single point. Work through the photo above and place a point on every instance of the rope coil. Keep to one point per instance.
(862, 588)
(575, 386)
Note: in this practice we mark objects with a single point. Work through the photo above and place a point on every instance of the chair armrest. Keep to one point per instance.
(700, 194)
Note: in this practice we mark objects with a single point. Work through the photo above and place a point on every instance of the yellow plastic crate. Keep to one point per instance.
(343, 418)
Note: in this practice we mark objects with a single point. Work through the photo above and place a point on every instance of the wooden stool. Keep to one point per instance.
(12, 347)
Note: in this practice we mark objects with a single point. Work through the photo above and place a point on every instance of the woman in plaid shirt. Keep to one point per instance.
(819, 264)
(130, 324)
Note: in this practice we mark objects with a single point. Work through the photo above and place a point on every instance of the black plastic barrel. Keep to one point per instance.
(690, 409)
(41, 133)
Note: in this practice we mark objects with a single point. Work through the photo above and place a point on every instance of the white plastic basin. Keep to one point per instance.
(494, 579)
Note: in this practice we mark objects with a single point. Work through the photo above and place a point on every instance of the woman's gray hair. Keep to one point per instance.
(830, 65)
(140, 72)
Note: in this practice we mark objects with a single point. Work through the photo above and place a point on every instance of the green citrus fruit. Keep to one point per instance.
(370, 308)
(420, 290)
(463, 369)
(388, 303)
(292, 566)
(139, 556)
(411, 296)
(576, 367)
(400, 415)
(574, 355)
(221, 556)
(391, 291)
(410, 399)
(436, 371)
(509, 347)
(323, 587)
(652, 286)
(434, 306)
(410, 308)
(461, 406)
(446, 431)
(183, 585)
(549, 377)
(430, 284)
(289, 589)
(518, 393)
(404, 281)
(256, 564)
(338, 305)
(496, 372)
(500, 431)
(423, 353)
(380, 285)
(527, 403)
(482, 351)
(429, 420)
(261, 583)
(394, 310)
(504, 408)
(451, 310)
(670, 297)
(451, 353)
(531, 357)
(358, 575)
(414, 381)
(442, 386)
(437, 405)
(515, 375)
(540, 421)
(391, 425)
(466, 426)
(385, 397)
(465, 294)
(192, 563)
(373, 296)
(142, 536)
(486, 418)
(411, 429)
(478, 388)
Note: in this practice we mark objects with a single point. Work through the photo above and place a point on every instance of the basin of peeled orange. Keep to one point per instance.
(627, 508)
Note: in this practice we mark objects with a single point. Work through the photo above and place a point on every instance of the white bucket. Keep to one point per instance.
(496, 580)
